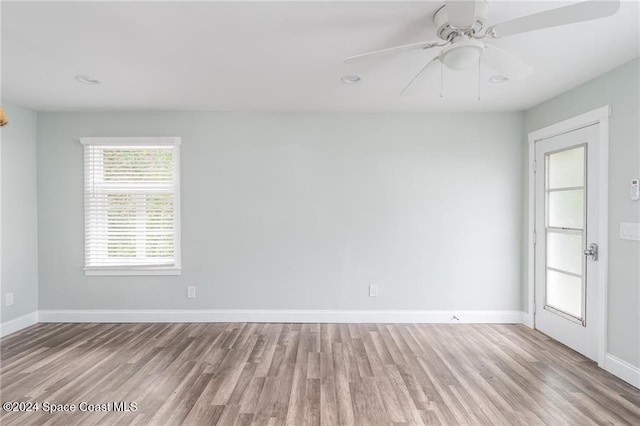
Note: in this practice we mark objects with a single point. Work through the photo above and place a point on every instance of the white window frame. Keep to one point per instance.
(138, 270)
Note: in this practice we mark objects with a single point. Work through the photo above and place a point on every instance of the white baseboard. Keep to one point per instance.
(622, 369)
(304, 316)
(18, 324)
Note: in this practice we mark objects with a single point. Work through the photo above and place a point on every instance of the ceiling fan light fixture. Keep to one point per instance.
(461, 55)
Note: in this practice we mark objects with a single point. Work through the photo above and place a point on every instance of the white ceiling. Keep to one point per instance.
(281, 56)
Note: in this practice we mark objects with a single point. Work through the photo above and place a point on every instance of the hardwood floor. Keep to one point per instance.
(307, 374)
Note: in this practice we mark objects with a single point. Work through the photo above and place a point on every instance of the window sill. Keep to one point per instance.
(131, 271)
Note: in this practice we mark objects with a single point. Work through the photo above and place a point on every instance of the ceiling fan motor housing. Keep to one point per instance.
(446, 32)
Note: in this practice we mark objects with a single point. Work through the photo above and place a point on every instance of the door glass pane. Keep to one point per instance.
(564, 292)
(566, 209)
(564, 251)
(566, 168)
(565, 189)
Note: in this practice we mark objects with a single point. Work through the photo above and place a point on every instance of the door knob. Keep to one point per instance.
(592, 250)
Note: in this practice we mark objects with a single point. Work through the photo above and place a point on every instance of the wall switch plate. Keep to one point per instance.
(191, 292)
(8, 299)
(630, 231)
(373, 290)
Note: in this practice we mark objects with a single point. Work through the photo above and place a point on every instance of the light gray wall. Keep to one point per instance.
(619, 88)
(19, 213)
(304, 211)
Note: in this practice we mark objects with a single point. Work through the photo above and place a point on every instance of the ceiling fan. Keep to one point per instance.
(460, 26)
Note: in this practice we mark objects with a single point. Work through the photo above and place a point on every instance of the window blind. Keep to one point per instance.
(131, 204)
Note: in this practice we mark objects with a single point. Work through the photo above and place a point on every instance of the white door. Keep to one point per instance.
(566, 238)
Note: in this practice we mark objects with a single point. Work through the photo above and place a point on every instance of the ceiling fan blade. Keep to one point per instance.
(429, 64)
(461, 13)
(392, 50)
(504, 63)
(578, 12)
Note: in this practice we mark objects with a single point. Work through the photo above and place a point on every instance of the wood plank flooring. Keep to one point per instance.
(307, 374)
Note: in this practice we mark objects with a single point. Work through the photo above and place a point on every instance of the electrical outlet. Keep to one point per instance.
(191, 292)
(373, 290)
(8, 299)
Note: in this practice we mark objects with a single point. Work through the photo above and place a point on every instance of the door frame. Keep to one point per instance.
(598, 116)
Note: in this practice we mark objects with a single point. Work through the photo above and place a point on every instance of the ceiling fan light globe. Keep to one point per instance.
(462, 55)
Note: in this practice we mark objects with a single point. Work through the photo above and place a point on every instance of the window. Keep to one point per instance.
(132, 206)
